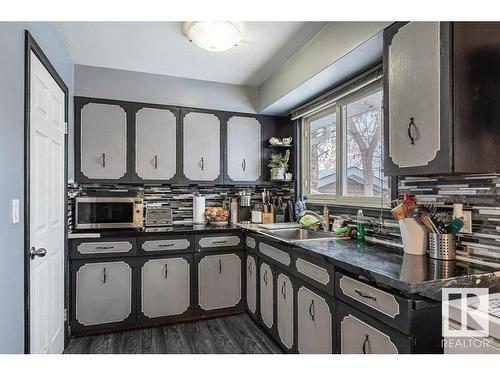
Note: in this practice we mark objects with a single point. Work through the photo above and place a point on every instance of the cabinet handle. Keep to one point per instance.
(104, 275)
(166, 245)
(311, 310)
(364, 344)
(219, 242)
(220, 266)
(166, 270)
(283, 290)
(367, 296)
(202, 164)
(244, 165)
(265, 277)
(409, 130)
(156, 161)
(103, 160)
(250, 268)
(104, 247)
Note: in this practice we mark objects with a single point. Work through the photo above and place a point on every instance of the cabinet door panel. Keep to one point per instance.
(314, 323)
(201, 146)
(219, 281)
(251, 284)
(103, 141)
(358, 337)
(103, 293)
(285, 309)
(266, 295)
(243, 149)
(155, 144)
(165, 287)
(414, 92)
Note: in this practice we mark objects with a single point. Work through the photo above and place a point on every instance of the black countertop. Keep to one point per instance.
(385, 266)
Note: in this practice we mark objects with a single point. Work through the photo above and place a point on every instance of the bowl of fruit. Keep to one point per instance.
(217, 215)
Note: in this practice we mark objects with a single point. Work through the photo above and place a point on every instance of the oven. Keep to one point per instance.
(108, 212)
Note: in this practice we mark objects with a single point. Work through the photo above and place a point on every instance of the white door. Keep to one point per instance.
(201, 146)
(243, 149)
(266, 295)
(165, 287)
(285, 309)
(219, 284)
(314, 323)
(47, 211)
(251, 284)
(155, 144)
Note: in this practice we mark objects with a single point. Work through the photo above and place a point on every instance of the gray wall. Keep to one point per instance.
(160, 89)
(12, 165)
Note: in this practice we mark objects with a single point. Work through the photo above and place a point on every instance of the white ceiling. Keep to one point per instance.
(162, 48)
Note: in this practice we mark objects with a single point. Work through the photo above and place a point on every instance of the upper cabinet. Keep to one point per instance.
(244, 154)
(101, 148)
(156, 134)
(201, 146)
(437, 98)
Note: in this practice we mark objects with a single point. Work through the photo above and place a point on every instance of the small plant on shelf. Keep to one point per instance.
(279, 165)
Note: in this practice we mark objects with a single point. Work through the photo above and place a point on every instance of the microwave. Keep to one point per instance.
(108, 212)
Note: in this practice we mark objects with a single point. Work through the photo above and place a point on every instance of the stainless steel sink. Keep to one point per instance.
(300, 234)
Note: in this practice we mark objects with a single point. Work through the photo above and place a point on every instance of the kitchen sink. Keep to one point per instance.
(301, 234)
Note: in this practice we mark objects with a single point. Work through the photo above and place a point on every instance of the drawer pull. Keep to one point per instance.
(103, 162)
(104, 275)
(156, 161)
(166, 245)
(104, 247)
(412, 123)
(283, 290)
(220, 266)
(265, 277)
(250, 267)
(311, 310)
(166, 270)
(364, 344)
(219, 242)
(368, 296)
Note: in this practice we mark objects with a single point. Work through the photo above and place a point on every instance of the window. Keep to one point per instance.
(342, 155)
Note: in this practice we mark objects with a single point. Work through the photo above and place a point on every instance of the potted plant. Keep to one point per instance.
(279, 165)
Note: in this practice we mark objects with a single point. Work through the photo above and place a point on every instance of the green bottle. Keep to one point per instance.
(360, 227)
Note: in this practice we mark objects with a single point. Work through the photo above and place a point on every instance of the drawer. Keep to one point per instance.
(409, 316)
(275, 254)
(165, 245)
(98, 248)
(219, 241)
(313, 271)
(369, 296)
(360, 334)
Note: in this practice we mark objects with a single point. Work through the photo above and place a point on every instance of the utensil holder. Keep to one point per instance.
(442, 246)
(414, 236)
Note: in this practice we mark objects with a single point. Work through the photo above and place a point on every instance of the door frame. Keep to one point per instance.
(32, 46)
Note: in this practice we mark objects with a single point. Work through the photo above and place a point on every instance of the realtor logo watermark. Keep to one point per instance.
(465, 317)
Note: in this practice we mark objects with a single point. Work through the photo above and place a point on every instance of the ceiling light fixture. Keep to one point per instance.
(213, 36)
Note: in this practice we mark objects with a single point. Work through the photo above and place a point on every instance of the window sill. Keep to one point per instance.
(353, 202)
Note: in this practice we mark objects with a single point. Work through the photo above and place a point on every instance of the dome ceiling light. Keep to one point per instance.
(213, 36)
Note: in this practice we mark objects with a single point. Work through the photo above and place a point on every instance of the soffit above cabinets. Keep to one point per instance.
(162, 48)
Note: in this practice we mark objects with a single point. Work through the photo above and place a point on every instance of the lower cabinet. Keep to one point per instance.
(267, 295)
(103, 294)
(252, 278)
(361, 334)
(285, 306)
(219, 281)
(165, 287)
(315, 322)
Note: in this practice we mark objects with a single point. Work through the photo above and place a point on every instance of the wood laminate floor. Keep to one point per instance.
(236, 334)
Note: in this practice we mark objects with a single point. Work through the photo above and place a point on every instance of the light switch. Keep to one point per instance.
(15, 211)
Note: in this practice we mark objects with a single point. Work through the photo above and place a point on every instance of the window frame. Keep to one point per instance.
(338, 198)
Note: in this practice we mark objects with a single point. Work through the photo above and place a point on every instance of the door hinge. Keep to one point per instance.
(65, 315)
(65, 128)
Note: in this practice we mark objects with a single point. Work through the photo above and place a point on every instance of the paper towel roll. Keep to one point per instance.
(198, 210)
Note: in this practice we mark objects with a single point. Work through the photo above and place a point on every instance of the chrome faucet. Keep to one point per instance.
(324, 219)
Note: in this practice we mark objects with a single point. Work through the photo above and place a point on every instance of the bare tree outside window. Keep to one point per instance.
(323, 158)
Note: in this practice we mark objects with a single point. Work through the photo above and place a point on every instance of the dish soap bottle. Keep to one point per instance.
(360, 226)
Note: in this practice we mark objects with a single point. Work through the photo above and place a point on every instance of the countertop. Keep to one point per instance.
(385, 266)
(390, 267)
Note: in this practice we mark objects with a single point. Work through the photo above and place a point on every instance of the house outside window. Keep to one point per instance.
(342, 155)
